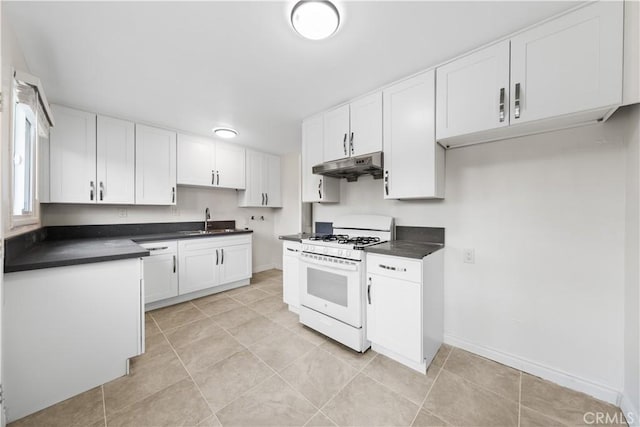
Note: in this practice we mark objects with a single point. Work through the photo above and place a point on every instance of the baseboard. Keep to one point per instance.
(264, 267)
(554, 375)
(630, 412)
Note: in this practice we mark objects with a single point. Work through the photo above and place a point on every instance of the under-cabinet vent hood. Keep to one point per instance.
(352, 167)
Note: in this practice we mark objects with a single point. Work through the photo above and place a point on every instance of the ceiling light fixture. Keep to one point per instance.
(315, 19)
(225, 132)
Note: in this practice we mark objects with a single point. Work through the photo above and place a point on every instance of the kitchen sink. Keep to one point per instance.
(201, 232)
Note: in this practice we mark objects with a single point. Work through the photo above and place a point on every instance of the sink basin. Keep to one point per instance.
(200, 232)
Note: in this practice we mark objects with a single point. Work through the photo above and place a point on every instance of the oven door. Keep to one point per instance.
(332, 286)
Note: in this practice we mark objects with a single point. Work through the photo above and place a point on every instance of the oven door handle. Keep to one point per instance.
(330, 265)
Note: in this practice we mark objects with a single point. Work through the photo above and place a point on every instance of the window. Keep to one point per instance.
(30, 124)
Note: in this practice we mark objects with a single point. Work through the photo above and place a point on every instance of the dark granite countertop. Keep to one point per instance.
(59, 253)
(46, 248)
(405, 248)
(296, 237)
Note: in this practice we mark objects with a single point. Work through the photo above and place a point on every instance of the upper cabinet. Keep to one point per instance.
(91, 159)
(565, 71)
(262, 181)
(315, 188)
(155, 166)
(413, 161)
(204, 162)
(353, 129)
(473, 92)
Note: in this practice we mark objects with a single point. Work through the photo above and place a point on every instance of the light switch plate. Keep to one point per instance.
(469, 256)
(122, 212)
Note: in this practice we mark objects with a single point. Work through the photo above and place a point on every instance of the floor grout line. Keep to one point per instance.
(432, 385)
(104, 406)
(520, 399)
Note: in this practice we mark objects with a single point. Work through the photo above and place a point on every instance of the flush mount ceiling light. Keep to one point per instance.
(315, 19)
(225, 132)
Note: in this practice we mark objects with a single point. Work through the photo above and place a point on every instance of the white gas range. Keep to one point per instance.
(332, 277)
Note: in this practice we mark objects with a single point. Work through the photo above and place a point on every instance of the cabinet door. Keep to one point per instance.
(336, 133)
(290, 274)
(160, 277)
(155, 166)
(570, 64)
(473, 92)
(235, 263)
(315, 188)
(230, 167)
(195, 161)
(198, 268)
(394, 315)
(366, 125)
(115, 161)
(73, 156)
(273, 193)
(254, 193)
(413, 161)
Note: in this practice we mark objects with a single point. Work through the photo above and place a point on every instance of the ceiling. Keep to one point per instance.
(196, 65)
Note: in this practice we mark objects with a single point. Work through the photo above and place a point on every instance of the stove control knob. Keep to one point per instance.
(340, 251)
(305, 247)
(348, 253)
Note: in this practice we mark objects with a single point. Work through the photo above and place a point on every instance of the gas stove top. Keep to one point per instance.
(340, 245)
(357, 242)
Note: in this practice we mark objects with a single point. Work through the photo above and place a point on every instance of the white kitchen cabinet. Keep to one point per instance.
(72, 172)
(155, 166)
(115, 165)
(353, 129)
(262, 181)
(413, 161)
(561, 73)
(570, 64)
(210, 262)
(207, 163)
(473, 92)
(405, 314)
(316, 188)
(290, 274)
(91, 159)
(160, 270)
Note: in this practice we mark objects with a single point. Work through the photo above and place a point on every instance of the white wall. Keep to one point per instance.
(288, 220)
(191, 203)
(631, 402)
(546, 217)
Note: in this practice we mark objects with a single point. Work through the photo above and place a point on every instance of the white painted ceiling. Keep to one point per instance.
(196, 65)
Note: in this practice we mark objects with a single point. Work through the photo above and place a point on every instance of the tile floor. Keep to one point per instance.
(241, 358)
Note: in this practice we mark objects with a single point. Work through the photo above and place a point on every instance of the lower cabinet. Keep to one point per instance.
(160, 271)
(215, 261)
(405, 299)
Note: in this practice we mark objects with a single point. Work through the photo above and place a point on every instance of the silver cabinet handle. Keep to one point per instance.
(389, 267)
(351, 143)
(320, 189)
(386, 183)
(218, 177)
(159, 248)
(173, 194)
(213, 178)
(221, 256)
(369, 291)
(216, 257)
(292, 250)
(266, 198)
(91, 190)
(262, 199)
(174, 263)
(501, 105)
(344, 144)
(516, 106)
(101, 190)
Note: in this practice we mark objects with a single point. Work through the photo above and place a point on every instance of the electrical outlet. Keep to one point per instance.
(122, 212)
(469, 256)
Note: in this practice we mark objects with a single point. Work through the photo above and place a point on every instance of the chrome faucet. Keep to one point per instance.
(207, 217)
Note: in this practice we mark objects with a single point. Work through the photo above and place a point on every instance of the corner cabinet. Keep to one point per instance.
(207, 163)
(262, 181)
(353, 129)
(91, 159)
(405, 307)
(155, 166)
(413, 161)
(210, 262)
(315, 188)
(563, 72)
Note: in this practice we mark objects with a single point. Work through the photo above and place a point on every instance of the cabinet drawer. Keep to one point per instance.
(161, 248)
(291, 248)
(395, 267)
